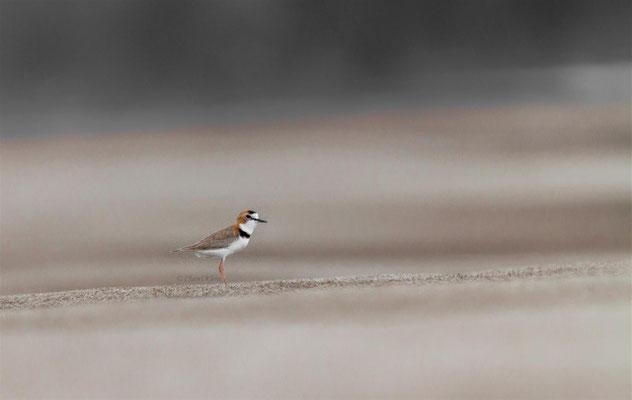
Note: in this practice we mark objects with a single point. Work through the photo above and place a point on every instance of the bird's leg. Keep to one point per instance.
(221, 270)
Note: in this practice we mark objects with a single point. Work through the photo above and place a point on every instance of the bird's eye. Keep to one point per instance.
(248, 216)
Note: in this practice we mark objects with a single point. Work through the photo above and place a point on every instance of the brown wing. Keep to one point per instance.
(217, 240)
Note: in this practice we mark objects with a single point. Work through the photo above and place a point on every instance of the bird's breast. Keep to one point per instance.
(239, 244)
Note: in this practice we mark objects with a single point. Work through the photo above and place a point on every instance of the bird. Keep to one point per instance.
(227, 241)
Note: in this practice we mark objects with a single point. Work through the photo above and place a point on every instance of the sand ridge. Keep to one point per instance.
(130, 294)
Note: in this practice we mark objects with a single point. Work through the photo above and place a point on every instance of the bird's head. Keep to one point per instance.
(248, 220)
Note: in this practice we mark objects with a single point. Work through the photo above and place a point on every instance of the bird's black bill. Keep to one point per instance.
(260, 220)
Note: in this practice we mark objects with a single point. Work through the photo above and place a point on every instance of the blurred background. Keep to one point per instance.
(376, 136)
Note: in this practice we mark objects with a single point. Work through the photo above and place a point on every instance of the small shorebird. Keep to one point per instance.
(229, 240)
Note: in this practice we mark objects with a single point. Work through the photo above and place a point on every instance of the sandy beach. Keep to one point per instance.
(556, 332)
(487, 258)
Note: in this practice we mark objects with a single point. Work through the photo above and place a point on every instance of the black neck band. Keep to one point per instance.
(244, 234)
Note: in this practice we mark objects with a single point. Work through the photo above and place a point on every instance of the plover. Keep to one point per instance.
(229, 240)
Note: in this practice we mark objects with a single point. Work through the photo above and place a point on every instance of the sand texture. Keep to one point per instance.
(556, 332)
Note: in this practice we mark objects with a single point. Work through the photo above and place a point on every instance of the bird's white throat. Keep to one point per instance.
(248, 226)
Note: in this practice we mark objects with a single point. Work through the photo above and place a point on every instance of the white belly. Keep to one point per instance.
(234, 247)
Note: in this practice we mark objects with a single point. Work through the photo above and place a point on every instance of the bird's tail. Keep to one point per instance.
(185, 248)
